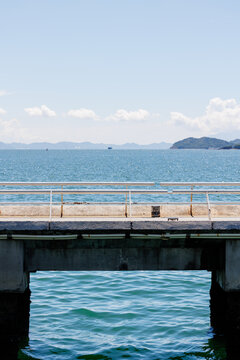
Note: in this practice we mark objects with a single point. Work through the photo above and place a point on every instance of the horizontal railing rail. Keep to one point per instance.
(116, 191)
(82, 191)
(77, 183)
(210, 183)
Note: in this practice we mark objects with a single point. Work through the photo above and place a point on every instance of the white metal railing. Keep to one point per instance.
(125, 184)
(199, 184)
(127, 191)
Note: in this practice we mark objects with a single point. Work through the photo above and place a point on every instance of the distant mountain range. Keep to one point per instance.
(81, 146)
(188, 143)
(206, 143)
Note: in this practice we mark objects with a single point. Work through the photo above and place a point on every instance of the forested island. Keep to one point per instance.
(206, 143)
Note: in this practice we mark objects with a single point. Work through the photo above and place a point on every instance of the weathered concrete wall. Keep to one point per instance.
(113, 259)
(75, 210)
(13, 277)
(229, 277)
(86, 210)
(123, 253)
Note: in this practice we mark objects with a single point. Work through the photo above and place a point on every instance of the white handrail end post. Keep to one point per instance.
(50, 206)
(130, 204)
(208, 206)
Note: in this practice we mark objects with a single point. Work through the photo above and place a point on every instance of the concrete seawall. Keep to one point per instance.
(88, 210)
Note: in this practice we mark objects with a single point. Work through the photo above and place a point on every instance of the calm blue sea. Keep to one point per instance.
(121, 315)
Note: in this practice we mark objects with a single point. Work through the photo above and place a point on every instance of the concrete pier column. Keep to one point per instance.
(14, 298)
(225, 299)
(217, 306)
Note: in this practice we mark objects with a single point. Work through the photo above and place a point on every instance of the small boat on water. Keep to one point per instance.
(109, 148)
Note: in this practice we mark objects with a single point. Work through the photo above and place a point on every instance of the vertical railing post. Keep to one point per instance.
(130, 204)
(61, 201)
(208, 206)
(50, 206)
(191, 212)
(126, 214)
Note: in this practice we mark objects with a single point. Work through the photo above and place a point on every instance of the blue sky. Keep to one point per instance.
(119, 71)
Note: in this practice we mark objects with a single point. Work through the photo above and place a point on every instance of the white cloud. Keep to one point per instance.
(220, 115)
(4, 92)
(124, 115)
(2, 111)
(8, 126)
(118, 116)
(11, 130)
(83, 114)
(40, 111)
(35, 111)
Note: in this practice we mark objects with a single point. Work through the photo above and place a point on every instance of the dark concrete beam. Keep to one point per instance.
(128, 253)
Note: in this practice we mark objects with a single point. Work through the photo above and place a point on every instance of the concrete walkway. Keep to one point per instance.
(117, 225)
